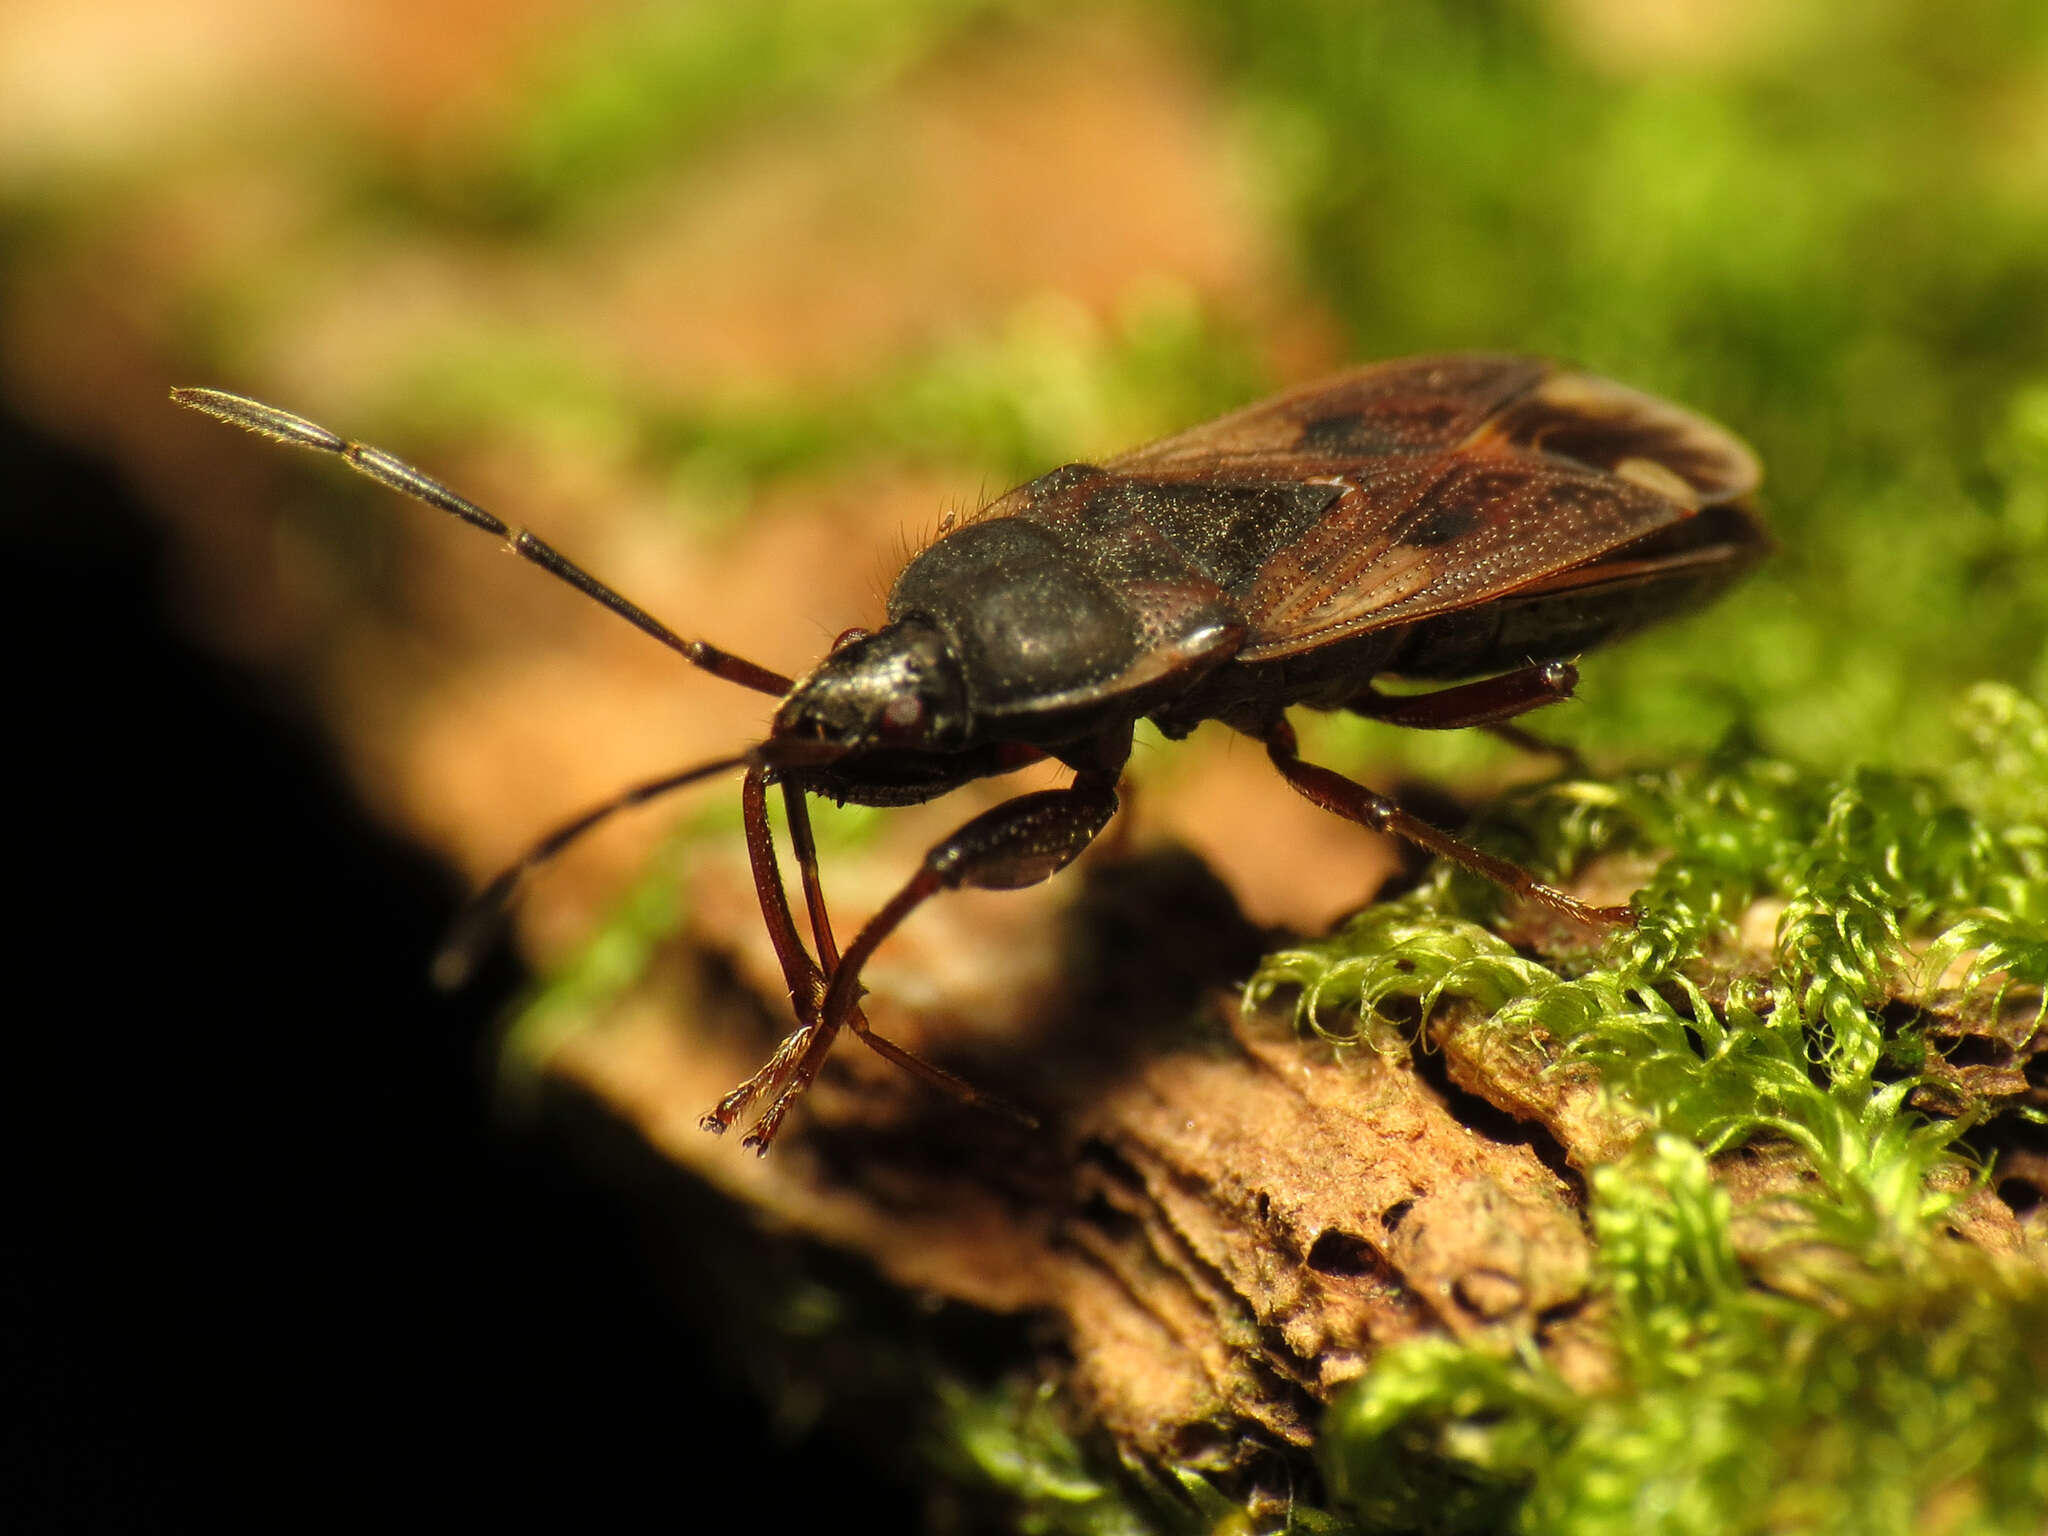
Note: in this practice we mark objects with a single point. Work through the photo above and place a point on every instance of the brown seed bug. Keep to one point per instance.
(1433, 519)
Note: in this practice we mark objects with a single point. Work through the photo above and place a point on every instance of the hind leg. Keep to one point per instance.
(1354, 802)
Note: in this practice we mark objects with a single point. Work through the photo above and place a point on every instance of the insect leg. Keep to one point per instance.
(828, 951)
(1489, 704)
(1018, 843)
(795, 1063)
(395, 474)
(1353, 801)
(816, 1036)
(805, 847)
(800, 973)
(1490, 701)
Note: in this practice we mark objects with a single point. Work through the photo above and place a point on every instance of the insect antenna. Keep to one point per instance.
(478, 921)
(395, 474)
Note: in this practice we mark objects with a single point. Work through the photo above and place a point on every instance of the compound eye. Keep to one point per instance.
(902, 716)
(848, 636)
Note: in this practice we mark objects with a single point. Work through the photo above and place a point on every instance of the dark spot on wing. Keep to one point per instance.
(1421, 422)
(1459, 503)
(1485, 487)
(1441, 527)
(1388, 425)
(1331, 434)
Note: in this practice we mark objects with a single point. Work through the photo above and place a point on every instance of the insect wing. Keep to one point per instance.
(1463, 479)
(1411, 406)
(1725, 540)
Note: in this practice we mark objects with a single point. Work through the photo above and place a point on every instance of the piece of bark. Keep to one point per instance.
(1222, 1220)
(1225, 1221)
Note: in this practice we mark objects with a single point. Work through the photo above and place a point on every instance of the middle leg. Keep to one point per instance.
(1018, 843)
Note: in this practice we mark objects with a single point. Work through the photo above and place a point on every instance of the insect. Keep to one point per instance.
(1437, 519)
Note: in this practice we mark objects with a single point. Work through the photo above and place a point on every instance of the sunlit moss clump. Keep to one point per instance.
(1805, 1346)
(1908, 1399)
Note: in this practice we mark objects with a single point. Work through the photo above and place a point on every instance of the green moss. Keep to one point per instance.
(1010, 1439)
(644, 88)
(1822, 1356)
(1914, 1405)
(1845, 1367)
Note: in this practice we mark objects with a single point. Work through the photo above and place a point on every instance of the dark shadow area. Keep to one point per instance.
(848, 1357)
(1146, 945)
(1151, 938)
(274, 1257)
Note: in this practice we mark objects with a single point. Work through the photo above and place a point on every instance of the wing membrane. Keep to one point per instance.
(1413, 405)
(1462, 478)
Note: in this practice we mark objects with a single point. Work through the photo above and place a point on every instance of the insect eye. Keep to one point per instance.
(902, 716)
(848, 636)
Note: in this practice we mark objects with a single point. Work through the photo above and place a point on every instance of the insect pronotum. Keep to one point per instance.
(1440, 519)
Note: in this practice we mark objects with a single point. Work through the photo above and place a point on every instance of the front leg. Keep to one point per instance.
(794, 1065)
(1020, 842)
(795, 1071)
(800, 973)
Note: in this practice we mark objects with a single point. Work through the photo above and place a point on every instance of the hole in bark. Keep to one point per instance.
(1392, 1217)
(1343, 1255)
(1196, 1442)
(1977, 1051)
(1897, 1013)
(2020, 1194)
(1264, 1205)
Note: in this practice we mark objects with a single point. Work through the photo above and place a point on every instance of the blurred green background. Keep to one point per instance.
(731, 247)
